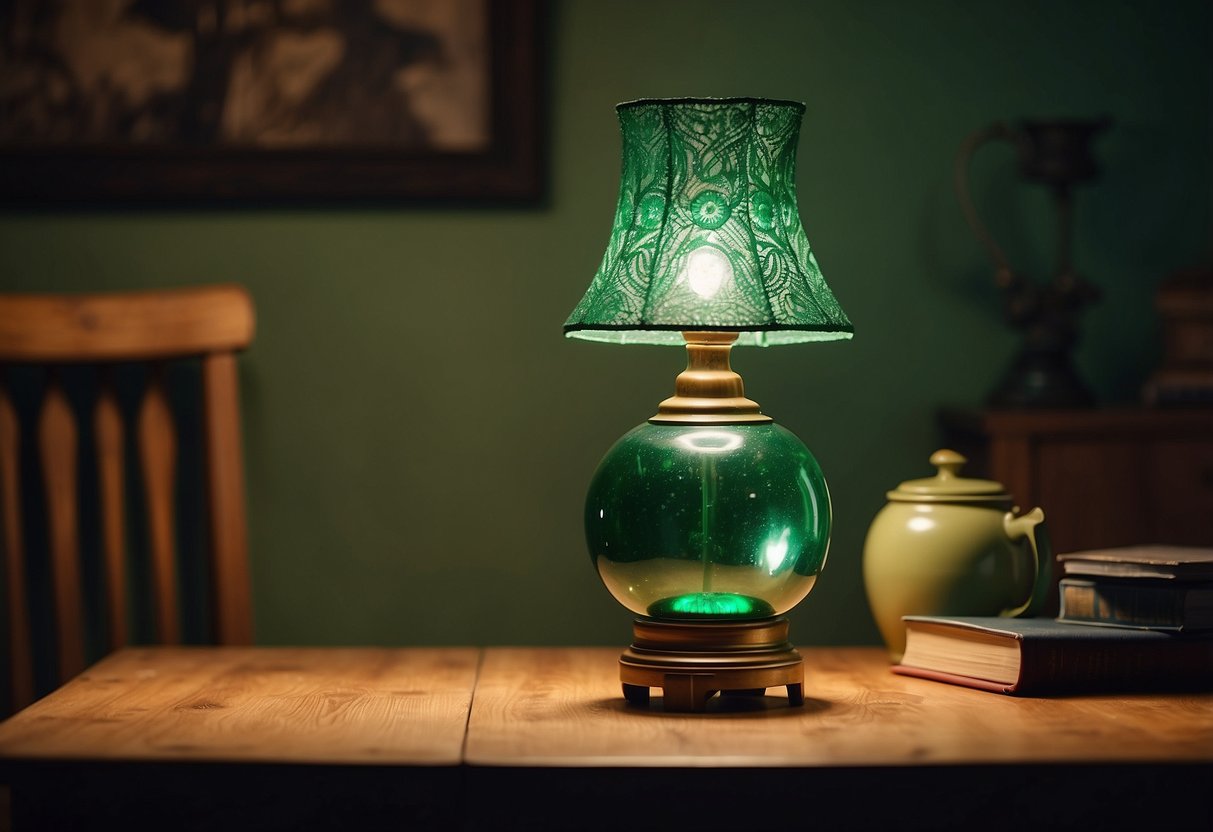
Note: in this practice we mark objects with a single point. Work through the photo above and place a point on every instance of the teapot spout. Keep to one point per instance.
(1031, 526)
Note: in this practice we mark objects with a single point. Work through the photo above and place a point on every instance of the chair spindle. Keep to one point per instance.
(158, 455)
(232, 609)
(57, 442)
(21, 665)
(107, 426)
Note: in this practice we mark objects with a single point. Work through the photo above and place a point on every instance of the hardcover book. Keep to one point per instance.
(1041, 656)
(1181, 606)
(1184, 563)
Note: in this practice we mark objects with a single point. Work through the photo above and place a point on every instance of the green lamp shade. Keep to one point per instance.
(708, 522)
(707, 234)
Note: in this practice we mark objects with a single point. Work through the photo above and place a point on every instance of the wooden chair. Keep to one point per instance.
(107, 331)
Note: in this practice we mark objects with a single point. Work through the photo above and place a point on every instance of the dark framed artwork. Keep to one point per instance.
(247, 101)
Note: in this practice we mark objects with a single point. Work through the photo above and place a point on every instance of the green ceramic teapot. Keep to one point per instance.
(951, 545)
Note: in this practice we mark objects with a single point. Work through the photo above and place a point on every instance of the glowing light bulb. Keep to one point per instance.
(707, 270)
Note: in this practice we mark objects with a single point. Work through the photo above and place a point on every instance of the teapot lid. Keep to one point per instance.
(948, 486)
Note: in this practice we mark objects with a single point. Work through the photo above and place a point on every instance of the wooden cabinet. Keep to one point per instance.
(1106, 477)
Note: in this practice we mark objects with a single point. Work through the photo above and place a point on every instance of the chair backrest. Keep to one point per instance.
(108, 331)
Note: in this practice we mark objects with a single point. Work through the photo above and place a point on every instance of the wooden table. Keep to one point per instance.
(540, 738)
(259, 738)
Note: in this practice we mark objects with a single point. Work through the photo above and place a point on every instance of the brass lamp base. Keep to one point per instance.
(693, 661)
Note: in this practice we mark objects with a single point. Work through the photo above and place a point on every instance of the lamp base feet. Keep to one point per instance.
(693, 661)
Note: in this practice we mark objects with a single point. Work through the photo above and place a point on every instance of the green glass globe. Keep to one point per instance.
(708, 522)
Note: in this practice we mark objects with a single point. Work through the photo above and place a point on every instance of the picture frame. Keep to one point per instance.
(506, 167)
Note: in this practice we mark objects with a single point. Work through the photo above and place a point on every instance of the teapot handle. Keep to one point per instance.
(1032, 526)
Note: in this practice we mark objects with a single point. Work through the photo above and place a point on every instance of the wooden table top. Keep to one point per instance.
(256, 704)
(562, 707)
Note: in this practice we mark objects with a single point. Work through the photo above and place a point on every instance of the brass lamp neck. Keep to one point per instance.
(708, 392)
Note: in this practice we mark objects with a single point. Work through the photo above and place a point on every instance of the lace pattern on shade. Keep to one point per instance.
(707, 233)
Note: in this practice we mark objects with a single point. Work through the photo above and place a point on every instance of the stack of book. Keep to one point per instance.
(1132, 619)
(1142, 587)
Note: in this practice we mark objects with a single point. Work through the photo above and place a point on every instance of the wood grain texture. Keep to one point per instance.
(242, 704)
(158, 460)
(124, 326)
(57, 444)
(107, 429)
(562, 707)
(21, 666)
(232, 604)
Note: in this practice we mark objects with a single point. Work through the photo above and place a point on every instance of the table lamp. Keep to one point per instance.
(709, 520)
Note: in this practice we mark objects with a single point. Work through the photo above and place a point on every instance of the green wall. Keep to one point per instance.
(419, 435)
